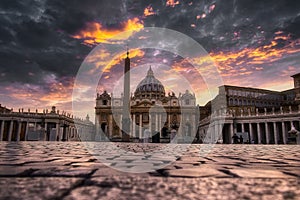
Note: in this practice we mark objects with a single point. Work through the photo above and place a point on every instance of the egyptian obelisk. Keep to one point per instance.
(126, 102)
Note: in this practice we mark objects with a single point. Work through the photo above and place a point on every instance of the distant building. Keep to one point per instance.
(151, 111)
(43, 126)
(263, 116)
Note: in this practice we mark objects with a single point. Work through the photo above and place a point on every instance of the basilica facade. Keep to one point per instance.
(154, 115)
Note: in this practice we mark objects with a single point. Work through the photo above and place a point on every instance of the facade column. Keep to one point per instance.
(251, 133)
(141, 121)
(169, 120)
(19, 130)
(10, 130)
(156, 122)
(1, 130)
(26, 130)
(159, 122)
(231, 133)
(130, 126)
(133, 126)
(258, 133)
(110, 126)
(275, 133)
(283, 133)
(121, 118)
(150, 123)
(267, 132)
(243, 127)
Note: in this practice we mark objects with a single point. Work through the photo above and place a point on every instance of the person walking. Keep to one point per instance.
(235, 139)
(241, 139)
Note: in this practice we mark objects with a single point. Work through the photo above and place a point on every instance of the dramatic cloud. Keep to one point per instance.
(44, 42)
(94, 33)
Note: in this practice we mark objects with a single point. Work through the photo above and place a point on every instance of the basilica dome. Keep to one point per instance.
(150, 87)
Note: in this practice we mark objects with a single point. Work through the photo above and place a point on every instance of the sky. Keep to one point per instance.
(44, 43)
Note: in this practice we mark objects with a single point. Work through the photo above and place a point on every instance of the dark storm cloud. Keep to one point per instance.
(71, 15)
(232, 24)
(36, 35)
(32, 45)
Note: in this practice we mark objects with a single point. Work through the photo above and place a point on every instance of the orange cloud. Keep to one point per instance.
(95, 33)
(120, 58)
(148, 11)
(172, 3)
(254, 56)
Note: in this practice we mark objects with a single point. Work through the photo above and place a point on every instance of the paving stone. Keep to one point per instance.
(259, 173)
(36, 188)
(80, 171)
(64, 172)
(195, 172)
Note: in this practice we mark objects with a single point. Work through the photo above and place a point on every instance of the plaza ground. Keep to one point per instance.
(71, 170)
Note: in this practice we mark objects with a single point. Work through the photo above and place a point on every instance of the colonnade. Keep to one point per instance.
(18, 130)
(272, 131)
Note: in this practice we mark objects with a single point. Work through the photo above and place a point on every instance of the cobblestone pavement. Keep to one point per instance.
(69, 170)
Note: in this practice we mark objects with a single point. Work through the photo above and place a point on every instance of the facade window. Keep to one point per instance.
(104, 102)
(145, 117)
(187, 102)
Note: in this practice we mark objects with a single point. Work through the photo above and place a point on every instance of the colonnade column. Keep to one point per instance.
(220, 129)
(46, 133)
(251, 133)
(267, 132)
(26, 130)
(216, 132)
(231, 132)
(19, 130)
(57, 131)
(258, 133)
(1, 130)
(10, 130)
(275, 133)
(97, 126)
(283, 132)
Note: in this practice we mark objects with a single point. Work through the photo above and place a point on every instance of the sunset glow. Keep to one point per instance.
(95, 33)
(44, 45)
(148, 11)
